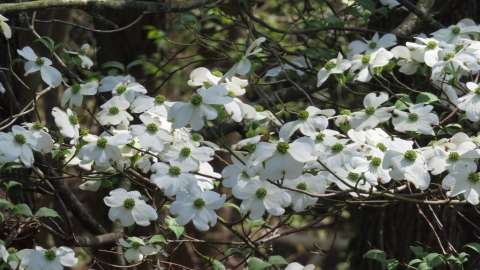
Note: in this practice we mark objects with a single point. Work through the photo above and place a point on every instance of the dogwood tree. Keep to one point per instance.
(100, 169)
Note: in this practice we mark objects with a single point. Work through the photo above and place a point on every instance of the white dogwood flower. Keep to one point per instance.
(103, 150)
(310, 121)
(334, 66)
(315, 184)
(465, 182)
(419, 118)
(73, 95)
(260, 196)
(114, 112)
(128, 208)
(49, 74)
(366, 64)
(470, 103)
(407, 164)
(150, 134)
(197, 206)
(136, 250)
(67, 123)
(370, 46)
(171, 179)
(373, 115)
(40, 258)
(5, 28)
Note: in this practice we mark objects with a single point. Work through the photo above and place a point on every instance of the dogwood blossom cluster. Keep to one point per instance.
(386, 143)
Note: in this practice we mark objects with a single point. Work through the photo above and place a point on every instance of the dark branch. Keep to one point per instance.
(125, 5)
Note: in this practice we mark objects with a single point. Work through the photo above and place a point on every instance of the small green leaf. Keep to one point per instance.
(426, 97)
(392, 264)
(217, 265)
(377, 255)
(255, 263)
(22, 209)
(174, 227)
(434, 259)
(46, 212)
(277, 260)
(114, 65)
(473, 246)
(367, 4)
(157, 239)
(5, 204)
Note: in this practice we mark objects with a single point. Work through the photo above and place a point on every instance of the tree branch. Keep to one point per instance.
(125, 5)
(418, 13)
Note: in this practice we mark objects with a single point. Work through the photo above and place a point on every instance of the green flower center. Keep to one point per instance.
(259, 108)
(174, 171)
(102, 143)
(448, 56)
(337, 148)
(39, 61)
(431, 45)
(261, 193)
(477, 91)
(456, 30)
(159, 100)
(73, 119)
(152, 128)
(196, 100)
(345, 112)
(129, 203)
(376, 161)
(113, 110)
(382, 147)
(76, 88)
(199, 203)
(412, 117)
(49, 255)
(303, 115)
(453, 156)
(410, 155)
(474, 177)
(369, 110)
(282, 147)
(196, 137)
(365, 59)
(37, 126)
(302, 186)
(121, 89)
(372, 45)
(136, 245)
(320, 137)
(231, 94)
(185, 152)
(353, 176)
(20, 139)
(330, 65)
(217, 73)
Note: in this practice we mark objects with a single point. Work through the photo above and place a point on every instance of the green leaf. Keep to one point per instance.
(426, 97)
(367, 4)
(46, 212)
(434, 259)
(403, 103)
(376, 255)
(418, 251)
(255, 263)
(5, 204)
(114, 65)
(473, 246)
(22, 209)
(174, 227)
(392, 264)
(11, 184)
(47, 42)
(217, 265)
(277, 260)
(157, 239)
